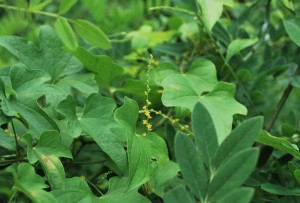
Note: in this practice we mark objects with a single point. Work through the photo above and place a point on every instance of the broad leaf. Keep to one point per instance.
(104, 68)
(162, 176)
(239, 139)
(92, 34)
(117, 192)
(74, 190)
(31, 184)
(279, 143)
(191, 166)
(232, 174)
(67, 108)
(98, 121)
(185, 90)
(47, 152)
(238, 45)
(7, 141)
(292, 27)
(49, 56)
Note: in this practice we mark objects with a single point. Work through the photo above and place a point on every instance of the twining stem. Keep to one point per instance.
(280, 104)
(18, 153)
(53, 15)
(94, 186)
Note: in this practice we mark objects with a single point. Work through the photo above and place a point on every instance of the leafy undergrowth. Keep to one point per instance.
(157, 101)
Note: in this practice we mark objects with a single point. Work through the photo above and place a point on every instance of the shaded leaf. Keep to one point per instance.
(74, 190)
(280, 190)
(238, 45)
(49, 56)
(65, 5)
(279, 143)
(178, 195)
(31, 184)
(241, 195)
(292, 27)
(118, 191)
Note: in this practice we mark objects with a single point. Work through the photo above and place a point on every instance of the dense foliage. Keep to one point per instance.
(149, 101)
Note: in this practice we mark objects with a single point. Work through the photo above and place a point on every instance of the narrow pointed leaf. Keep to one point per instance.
(233, 173)
(238, 45)
(191, 166)
(205, 133)
(239, 139)
(65, 33)
(92, 34)
(65, 5)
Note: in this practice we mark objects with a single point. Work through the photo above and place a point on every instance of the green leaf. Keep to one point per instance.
(65, 33)
(240, 138)
(279, 143)
(74, 190)
(98, 121)
(185, 90)
(210, 18)
(163, 70)
(280, 190)
(104, 68)
(205, 134)
(31, 184)
(118, 191)
(126, 116)
(241, 195)
(7, 141)
(49, 56)
(139, 163)
(67, 108)
(142, 150)
(162, 176)
(192, 167)
(232, 174)
(26, 87)
(238, 45)
(178, 195)
(65, 5)
(47, 152)
(92, 34)
(85, 83)
(292, 27)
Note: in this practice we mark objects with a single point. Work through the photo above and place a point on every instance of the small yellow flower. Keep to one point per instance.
(148, 102)
(147, 114)
(145, 107)
(145, 122)
(149, 126)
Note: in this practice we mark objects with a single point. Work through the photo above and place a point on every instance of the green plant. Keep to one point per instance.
(164, 102)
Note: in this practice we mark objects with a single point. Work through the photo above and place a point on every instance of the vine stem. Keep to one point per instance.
(53, 15)
(280, 104)
(266, 151)
(18, 153)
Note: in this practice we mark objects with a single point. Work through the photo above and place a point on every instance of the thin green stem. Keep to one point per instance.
(281, 104)
(18, 153)
(172, 9)
(53, 15)
(94, 186)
